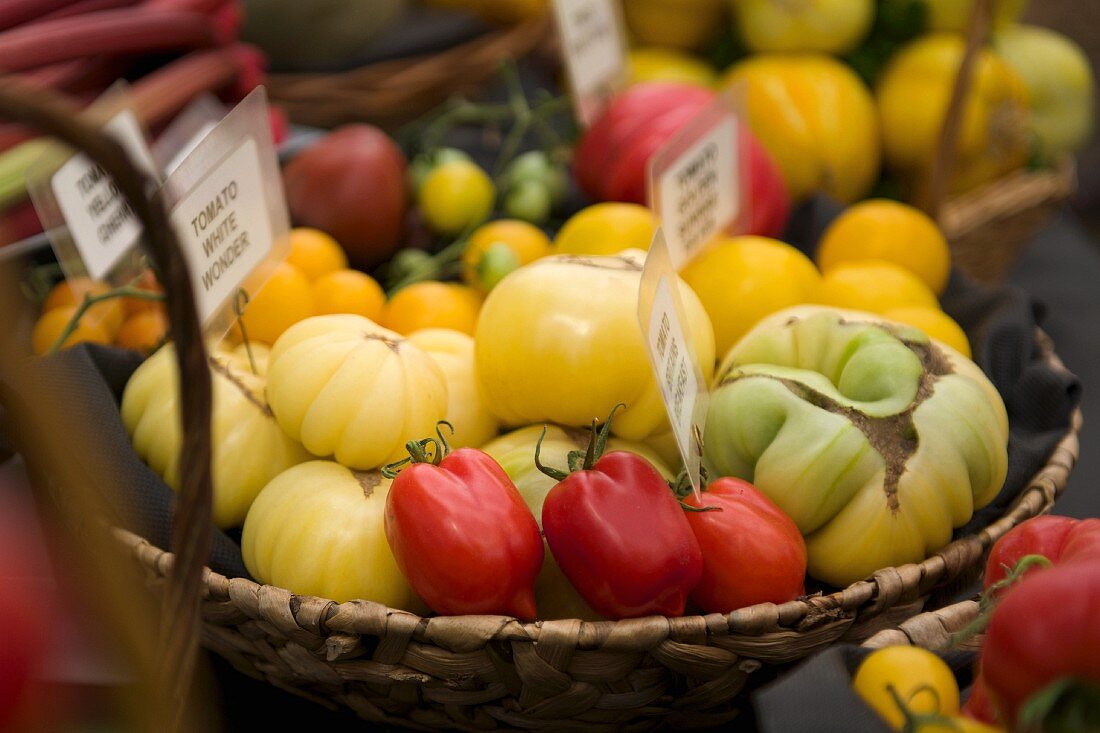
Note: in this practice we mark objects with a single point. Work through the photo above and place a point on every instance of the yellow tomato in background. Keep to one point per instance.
(454, 196)
(666, 64)
(875, 286)
(109, 314)
(606, 229)
(934, 323)
(914, 93)
(559, 341)
(453, 352)
(315, 253)
(816, 119)
(143, 331)
(52, 323)
(954, 15)
(497, 248)
(829, 26)
(348, 291)
(920, 678)
(742, 279)
(432, 304)
(684, 24)
(890, 231)
(282, 301)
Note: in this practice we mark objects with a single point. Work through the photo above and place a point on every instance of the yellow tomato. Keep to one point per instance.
(890, 231)
(816, 118)
(559, 341)
(606, 229)
(432, 304)
(455, 196)
(346, 387)
(830, 26)
(742, 279)
(958, 724)
(453, 352)
(684, 24)
(318, 529)
(666, 64)
(143, 331)
(315, 253)
(348, 291)
(935, 324)
(954, 15)
(282, 301)
(108, 313)
(913, 96)
(875, 286)
(52, 323)
(497, 248)
(922, 680)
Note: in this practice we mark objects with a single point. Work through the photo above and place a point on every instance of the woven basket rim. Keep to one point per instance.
(884, 589)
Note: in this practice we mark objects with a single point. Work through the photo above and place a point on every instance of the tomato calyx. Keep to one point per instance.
(987, 602)
(580, 460)
(419, 453)
(1067, 704)
(682, 489)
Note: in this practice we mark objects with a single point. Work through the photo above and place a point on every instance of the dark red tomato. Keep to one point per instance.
(752, 551)
(621, 538)
(463, 536)
(1059, 539)
(1047, 628)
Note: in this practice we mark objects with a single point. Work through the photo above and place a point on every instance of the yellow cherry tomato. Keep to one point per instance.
(683, 24)
(143, 331)
(666, 64)
(453, 352)
(742, 279)
(315, 253)
(934, 323)
(830, 26)
(558, 340)
(606, 229)
(816, 119)
(282, 301)
(432, 304)
(52, 323)
(348, 291)
(913, 96)
(108, 313)
(455, 196)
(922, 681)
(497, 248)
(890, 231)
(875, 286)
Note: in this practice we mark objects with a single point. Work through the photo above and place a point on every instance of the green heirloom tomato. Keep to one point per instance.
(515, 452)
(874, 439)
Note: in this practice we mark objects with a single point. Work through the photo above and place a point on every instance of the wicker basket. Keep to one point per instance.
(932, 630)
(479, 672)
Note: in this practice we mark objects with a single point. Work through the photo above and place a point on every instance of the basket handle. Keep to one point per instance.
(981, 18)
(55, 115)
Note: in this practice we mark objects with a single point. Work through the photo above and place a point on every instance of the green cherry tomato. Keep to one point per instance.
(530, 201)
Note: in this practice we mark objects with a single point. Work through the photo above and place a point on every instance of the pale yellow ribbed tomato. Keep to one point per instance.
(559, 341)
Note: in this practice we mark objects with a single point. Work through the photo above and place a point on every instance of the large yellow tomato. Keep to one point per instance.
(816, 119)
(559, 340)
(249, 447)
(515, 452)
(923, 682)
(830, 26)
(914, 93)
(453, 351)
(318, 529)
(653, 63)
(606, 229)
(684, 24)
(742, 279)
(346, 387)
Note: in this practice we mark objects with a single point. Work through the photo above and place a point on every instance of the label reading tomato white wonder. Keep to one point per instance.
(100, 222)
(229, 212)
(675, 364)
(594, 46)
(695, 182)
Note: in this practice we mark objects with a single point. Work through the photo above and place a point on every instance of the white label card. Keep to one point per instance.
(594, 45)
(100, 221)
(695, 182)
(228, 209)
(672, 355)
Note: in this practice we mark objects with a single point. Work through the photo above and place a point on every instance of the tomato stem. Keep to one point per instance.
(239, 305)
(554, 473)
(988, 600)
(130, 290)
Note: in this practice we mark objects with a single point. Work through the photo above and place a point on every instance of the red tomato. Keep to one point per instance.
(1047, 628)
(978, 706)
(23, 623)
(752, 551)
(1059, 539)
(463, 536)
(770, 207)
(620, 536)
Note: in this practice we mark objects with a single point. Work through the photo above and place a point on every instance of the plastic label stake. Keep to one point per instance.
(227, 207)
(696, 183)
(594, 46)
(185, 132)
(672, 354)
